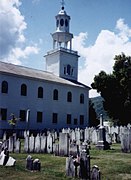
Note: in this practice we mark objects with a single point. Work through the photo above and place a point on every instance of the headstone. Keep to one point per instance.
(84, 171)
(17, 146)
(4, 136)
(49, 143)
(29, 163)
(11, 144)
(70, 168)
(73, 149)
(36, 165)
(31, 143)
(37, 144)
(5, 159)
(94, 137)
(56, 149)
(43, 143)
(95, 173)
(26, 144)
(87, 134)
(63, 144)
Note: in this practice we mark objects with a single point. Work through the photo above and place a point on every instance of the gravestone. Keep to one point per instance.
(102, 144)
(31, 143)
(17, 146)
(49, 143)
(94, 137)
(63, 144)
(87, 136)
(95, 173)
(11, 144)
(56, 149)
(37, 144)
(26, 144)
(84, 171)
(43, 143)
(73, 149)
(29, 163)
(70, 168)
(36, 165)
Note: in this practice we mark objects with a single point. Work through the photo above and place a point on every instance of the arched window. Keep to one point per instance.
(4, 87)
(23, 90)
(40, 92)
(62, 22)
(55, 94)
(69, 97)
(82, 98)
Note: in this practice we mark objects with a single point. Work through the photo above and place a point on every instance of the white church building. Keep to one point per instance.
(51, 99)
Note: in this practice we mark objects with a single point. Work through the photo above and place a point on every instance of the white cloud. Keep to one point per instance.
(100, 56)
(12, 37)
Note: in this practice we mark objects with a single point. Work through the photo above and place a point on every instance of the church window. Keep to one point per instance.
(82, 98)
(75, 121)
(23, 90)
(40, 92)
(66, 22)
(55, 94)
(62, 22)
(54, 118)
(39, 116)
(22, 115)
(81, 119)
(4, 87)
(68, 69)
(69, 97)
(68, 119)
(3, 114)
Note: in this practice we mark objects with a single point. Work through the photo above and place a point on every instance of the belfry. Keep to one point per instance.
(62, 60)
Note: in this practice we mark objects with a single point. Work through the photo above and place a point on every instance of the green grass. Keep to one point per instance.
(113, 164)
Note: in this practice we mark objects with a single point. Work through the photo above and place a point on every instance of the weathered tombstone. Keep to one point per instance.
(73, 136)
(94, 137)
(87, 134)
(84, 171)
(4, 136)
(37, 144)
(49, 143)
(11, 144)
(17, 146)
(102, 144)
(95, 173)
(26, 144)
(43, 143)
(29, 163)
(73, 149)
(56, 149)
(31, 143)
(5, 159)
(70, 168)
(36, 165)
(63, 144)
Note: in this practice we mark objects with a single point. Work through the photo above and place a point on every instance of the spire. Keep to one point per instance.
(62, 4)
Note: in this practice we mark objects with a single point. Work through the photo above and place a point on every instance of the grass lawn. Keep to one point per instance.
(113, 164)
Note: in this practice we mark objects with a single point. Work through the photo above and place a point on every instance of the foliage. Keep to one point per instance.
(13, 120)
(93, 121)
(115, 88)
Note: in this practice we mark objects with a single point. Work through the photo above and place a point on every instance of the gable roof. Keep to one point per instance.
(16, 70)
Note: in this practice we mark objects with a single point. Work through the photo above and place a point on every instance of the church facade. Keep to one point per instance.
(51, 99)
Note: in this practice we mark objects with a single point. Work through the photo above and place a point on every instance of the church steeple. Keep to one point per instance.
(62, 37)
(62, 60)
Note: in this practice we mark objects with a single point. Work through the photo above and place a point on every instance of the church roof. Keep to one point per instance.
(16, 70)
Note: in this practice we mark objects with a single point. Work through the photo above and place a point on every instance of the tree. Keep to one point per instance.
(93, 121)
(115, 88)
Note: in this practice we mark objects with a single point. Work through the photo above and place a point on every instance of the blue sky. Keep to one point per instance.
(101, 28)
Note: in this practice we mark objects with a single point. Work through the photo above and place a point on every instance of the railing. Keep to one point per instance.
(62, 49)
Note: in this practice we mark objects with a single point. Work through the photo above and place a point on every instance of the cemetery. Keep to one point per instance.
(90, 153)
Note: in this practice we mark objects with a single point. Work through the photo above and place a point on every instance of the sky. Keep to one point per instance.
(101, 29)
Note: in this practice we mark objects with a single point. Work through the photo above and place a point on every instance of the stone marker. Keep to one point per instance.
(63, 144)
(29, 163)
(95, 173)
